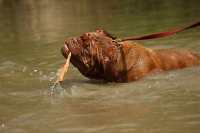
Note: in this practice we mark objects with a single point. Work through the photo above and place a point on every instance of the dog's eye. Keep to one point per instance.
(88, 34)
(85, 36)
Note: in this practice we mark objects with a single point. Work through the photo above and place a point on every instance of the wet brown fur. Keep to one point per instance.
(98, 56)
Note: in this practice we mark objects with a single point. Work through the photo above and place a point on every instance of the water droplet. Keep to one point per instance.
(40, 72)
(2, 125)
(35, 70)
(149, 86)
(31, 74)
(24, 69)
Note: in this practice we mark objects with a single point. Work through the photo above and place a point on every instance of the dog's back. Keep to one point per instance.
(177, 58)
(140, 61)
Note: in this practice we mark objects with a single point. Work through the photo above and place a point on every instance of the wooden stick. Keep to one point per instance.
(64, 69)
(61, 75)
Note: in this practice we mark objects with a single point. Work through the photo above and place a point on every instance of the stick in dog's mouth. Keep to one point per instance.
(64, 69)
(61, 74)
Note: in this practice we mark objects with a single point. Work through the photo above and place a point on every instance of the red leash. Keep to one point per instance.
(161, 34)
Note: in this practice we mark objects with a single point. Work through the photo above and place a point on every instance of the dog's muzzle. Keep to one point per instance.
(65, 51)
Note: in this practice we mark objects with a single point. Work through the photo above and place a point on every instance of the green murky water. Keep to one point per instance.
(31, 34)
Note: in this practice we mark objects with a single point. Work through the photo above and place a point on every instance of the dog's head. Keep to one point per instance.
(90, 52)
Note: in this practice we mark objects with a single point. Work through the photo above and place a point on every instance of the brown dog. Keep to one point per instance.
(98, 56)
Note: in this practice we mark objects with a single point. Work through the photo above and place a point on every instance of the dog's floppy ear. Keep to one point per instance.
(103, 32)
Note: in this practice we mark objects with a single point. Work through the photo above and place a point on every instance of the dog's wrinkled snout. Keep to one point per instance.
(65, 51)
(72, 45)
